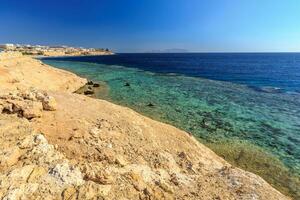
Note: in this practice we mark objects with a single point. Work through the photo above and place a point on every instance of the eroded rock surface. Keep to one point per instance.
(28, 104)
(31, 168)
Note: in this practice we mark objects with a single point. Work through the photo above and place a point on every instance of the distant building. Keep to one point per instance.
(7, 46)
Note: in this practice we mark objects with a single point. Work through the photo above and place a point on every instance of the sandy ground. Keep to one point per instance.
(58, 145)
(23, 72)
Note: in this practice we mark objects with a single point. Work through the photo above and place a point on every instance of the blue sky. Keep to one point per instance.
(145, 25)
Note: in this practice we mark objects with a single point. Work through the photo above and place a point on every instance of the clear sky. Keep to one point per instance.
(145, 25)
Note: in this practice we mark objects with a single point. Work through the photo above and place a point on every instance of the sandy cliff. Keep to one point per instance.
(58, 145)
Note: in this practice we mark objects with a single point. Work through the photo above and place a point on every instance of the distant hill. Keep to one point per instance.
(169, 51)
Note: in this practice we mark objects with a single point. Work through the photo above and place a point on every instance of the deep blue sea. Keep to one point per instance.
(244, 106)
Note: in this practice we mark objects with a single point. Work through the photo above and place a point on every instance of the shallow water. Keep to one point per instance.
(256, 130)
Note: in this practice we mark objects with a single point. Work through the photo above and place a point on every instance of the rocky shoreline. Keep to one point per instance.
(56, 144)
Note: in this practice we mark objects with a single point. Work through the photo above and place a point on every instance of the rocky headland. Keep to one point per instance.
(56, 144)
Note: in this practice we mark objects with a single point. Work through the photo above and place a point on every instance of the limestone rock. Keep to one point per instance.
(36, 173)
(9, 157)
(33, 110)
(30, 95)
(120, 160)
(49, 103)
(66, 174)
(92, 190)
(1, 108)
(69, 193)
(28, 104)
(20, 174)
(95, 132)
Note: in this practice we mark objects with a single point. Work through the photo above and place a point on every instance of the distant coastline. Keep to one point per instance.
(54, 51)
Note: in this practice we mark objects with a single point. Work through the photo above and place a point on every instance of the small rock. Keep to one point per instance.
(120, 160)
(29, 95)
(77, 135)
(1, 108)
(165, 187)
(9, 157)
(26, 143)
(7, 108)
(105, 179)
(146, 192)
(138, 182)
(21, 174)
(40, 139)
(127, 84)
(92, 190)
(95, 132)
(36, 173)
(182, 155)
(88, 92)
(174, 179)
(33, 110)
(90, 83)
(96, 85)
(69, 193)
(40, 96)
(66, 174)
(49, 103)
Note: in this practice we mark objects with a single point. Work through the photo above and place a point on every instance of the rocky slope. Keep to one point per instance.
(59, 145)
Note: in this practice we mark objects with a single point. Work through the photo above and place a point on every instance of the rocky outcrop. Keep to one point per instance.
(28, 104)
(31, 168)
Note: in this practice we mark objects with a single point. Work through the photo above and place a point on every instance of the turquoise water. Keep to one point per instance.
(258, 131)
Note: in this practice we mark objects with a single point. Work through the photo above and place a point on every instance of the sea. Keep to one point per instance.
(244, 106)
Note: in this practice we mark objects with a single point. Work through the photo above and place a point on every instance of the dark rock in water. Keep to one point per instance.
(96, 85)
(150, 105)
(127, 84)
(90, 83)
(87, 92)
